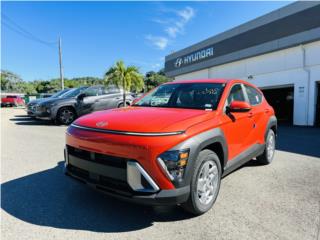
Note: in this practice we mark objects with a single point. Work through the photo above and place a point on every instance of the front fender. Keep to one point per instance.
(196, 144)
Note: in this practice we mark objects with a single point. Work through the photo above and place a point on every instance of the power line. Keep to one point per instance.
(13, 26)
(22, 34)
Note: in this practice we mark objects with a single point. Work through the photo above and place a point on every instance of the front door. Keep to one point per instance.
(237, 126)
(89, 102)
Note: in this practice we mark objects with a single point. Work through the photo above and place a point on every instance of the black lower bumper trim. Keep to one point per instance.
(163, 197)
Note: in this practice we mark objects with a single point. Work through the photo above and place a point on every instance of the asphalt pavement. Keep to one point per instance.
(278, 201)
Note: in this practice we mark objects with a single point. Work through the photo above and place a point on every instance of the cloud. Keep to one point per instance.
(178, 27)
(187, 13)
(173, 26)
(159, 42)
(172, 31)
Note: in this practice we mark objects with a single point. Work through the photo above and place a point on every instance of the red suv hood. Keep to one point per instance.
(144, 119)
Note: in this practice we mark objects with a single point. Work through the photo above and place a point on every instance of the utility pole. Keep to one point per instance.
(60, 64)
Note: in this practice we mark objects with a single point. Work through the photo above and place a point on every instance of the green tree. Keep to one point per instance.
(11, 82)
(28, 88)
(153, 79)
(127, 78)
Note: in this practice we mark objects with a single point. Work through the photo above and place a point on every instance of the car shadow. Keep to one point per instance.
(49, 198)
(21, 116)
(26, 120)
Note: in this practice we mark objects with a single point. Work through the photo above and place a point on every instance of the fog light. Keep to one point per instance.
(174, 163)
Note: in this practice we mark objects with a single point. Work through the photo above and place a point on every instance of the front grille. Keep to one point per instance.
(105, 184)
(99, 158)
(103, 181)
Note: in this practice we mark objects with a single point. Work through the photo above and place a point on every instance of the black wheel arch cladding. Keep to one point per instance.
(197, 143)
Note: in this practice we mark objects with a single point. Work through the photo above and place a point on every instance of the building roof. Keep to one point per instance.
(292, 25)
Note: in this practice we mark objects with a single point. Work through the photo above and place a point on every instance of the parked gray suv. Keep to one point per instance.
(31, 106)
(81, 101)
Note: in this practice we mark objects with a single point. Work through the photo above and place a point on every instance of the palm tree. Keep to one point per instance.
(128, 78)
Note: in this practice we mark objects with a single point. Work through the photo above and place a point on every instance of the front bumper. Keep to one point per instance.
(42, 115)
(113, 180)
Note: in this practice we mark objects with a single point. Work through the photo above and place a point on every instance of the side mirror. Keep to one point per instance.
(238, 106)
(81, 96)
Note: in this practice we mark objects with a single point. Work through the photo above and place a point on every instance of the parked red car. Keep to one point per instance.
(174, 144)
(12, 101)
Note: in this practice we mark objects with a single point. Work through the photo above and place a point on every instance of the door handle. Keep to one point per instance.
(250, 114)
(266, 110)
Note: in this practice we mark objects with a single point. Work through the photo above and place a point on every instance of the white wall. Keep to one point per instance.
(281, 68)
(202, 74)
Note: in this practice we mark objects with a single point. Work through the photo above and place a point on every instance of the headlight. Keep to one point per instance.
(174, 163)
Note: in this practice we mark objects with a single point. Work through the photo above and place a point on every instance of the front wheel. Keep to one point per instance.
(66, 115)
(267, 156)
(205, 183)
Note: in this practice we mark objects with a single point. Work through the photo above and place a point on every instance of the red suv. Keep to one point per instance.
(174, 144)
(12, 101)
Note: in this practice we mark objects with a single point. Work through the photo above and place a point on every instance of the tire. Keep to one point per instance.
(65, 115)
(121, 105)
(198, 203)
(268, 154)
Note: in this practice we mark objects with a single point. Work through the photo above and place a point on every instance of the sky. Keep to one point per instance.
(96, 34)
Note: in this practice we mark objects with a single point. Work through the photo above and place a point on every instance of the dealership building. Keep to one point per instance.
(279, 52)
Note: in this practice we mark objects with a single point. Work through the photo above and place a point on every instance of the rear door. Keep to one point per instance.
(259, 112)
(237, 126)
(111, 98)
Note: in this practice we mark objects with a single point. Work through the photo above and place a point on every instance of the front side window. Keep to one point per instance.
(236, 94)
(112, 89)
(255, 97)
(184, 95)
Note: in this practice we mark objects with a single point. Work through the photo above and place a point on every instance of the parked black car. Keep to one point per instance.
(32, 104)
(81, 101)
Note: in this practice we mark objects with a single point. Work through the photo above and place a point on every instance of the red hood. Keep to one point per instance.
(144, 119)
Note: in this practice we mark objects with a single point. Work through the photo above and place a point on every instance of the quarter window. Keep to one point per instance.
(255, 97)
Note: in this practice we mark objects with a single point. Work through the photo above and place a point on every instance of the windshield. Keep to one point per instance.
(74, 92)
(58, 94)
(184, 95)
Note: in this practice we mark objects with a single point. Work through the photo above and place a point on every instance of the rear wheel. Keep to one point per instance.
(66, 115)
(121, 105)
(205, 183)
(267, 156)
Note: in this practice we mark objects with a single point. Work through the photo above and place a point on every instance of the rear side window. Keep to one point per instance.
(93, 91)
(255, 97)
(236, 94)
(112, 90)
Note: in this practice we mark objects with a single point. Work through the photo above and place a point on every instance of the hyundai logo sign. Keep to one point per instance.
(178, 62)
(194, 57)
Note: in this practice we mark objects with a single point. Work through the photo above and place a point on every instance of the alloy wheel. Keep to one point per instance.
(270, 146)
(66, 116)
(207, 182)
